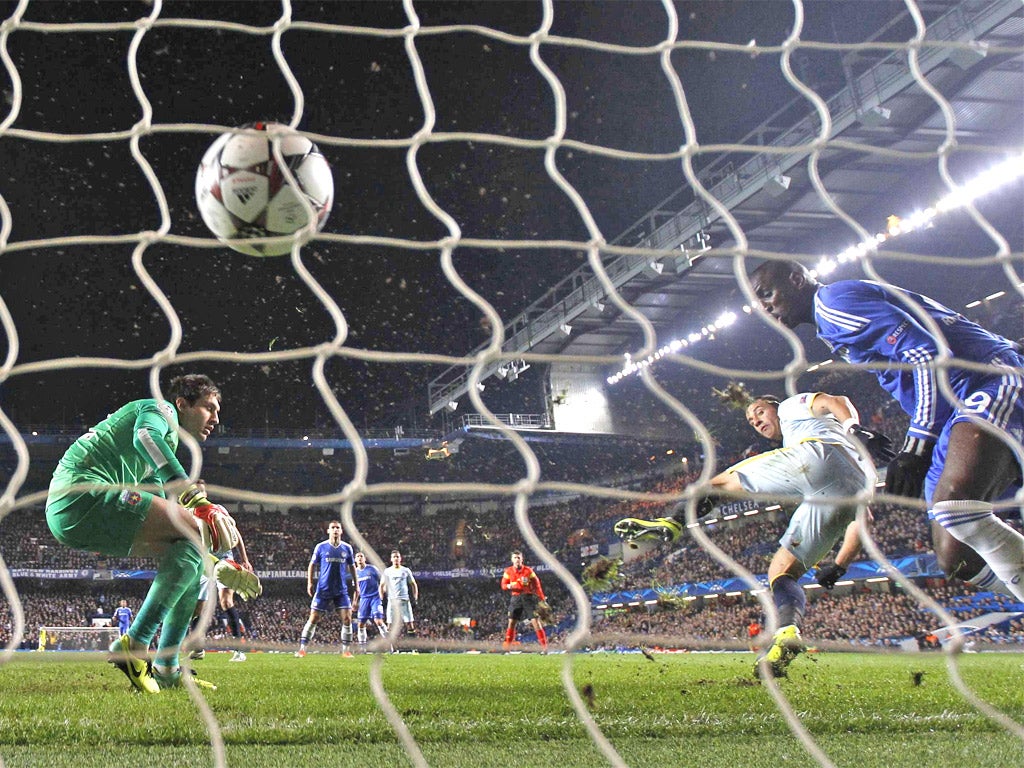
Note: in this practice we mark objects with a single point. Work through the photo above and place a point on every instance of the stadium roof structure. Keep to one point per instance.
(885, 130)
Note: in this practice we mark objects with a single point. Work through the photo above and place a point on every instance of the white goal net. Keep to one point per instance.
(511, 330)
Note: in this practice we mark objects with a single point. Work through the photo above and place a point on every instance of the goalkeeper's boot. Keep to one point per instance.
(786, 646)
(633, 529)
(173, 680)
(139, 671)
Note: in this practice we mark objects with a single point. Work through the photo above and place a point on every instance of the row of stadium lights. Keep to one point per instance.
(986, 182)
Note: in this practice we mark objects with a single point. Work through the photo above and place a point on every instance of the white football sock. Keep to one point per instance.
(973, 523)
(986, 581)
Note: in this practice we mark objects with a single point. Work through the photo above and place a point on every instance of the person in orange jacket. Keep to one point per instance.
(527, 592)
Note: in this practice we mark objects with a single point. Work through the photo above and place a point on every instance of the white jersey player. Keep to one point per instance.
(818, 458)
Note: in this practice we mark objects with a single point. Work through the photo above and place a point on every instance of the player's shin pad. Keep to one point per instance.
(246, 584)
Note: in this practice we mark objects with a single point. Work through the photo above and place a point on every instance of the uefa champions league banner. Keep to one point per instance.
(915, 566)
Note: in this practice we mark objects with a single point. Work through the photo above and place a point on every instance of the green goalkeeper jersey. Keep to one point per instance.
(133, 445)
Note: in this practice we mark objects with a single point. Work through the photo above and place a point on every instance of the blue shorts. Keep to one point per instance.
(995, 398)
(330, 603)
(370, 608)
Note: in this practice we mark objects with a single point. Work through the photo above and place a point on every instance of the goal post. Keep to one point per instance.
(77, 638)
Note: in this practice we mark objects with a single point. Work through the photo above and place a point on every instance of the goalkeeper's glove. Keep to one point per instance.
(246, 584)
(194, 496)
(878, 445)
(830, 574)
(216, 527)
(906, 473)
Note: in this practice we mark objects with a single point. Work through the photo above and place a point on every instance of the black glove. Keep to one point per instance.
(830, 574)
(907, 471)
(878, 445)
(705, 504)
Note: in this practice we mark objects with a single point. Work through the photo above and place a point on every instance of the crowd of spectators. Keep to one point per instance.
(479, 534)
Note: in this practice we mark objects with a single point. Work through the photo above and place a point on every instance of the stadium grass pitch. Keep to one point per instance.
(479, 711)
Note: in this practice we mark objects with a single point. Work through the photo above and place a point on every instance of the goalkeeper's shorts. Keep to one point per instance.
(104, 521)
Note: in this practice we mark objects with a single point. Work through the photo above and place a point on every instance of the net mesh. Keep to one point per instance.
(460, 173)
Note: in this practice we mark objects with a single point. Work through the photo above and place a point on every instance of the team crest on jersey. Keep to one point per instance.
(130, 498)
(891, 338)
(168, 411)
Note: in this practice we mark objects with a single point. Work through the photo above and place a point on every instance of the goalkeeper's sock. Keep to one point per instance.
(234, 623)
(542, 638)
(974, 524)
(179, 570)
(790, 600)
(177, 619)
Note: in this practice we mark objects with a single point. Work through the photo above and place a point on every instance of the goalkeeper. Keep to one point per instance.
(96, 504)
(818, 458)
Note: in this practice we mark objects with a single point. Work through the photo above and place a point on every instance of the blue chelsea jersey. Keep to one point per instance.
(334, 564)
(368, 578)
(865, 322)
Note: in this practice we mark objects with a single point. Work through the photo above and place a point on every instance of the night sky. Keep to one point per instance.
(86, 300)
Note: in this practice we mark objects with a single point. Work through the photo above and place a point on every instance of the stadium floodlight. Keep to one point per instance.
(453, 406)
(873, 117)
(965, 58)
(778, 185)
(565, 328)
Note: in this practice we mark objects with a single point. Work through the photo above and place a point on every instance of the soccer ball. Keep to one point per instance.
(242, 192)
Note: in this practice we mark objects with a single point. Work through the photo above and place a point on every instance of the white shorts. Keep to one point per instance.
(398, 608)
(204, 581)
(810, 470)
